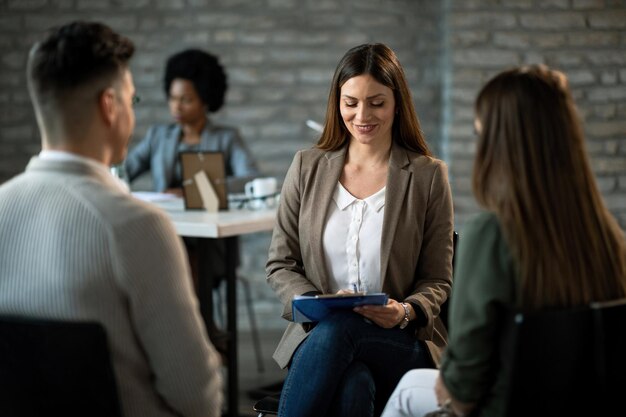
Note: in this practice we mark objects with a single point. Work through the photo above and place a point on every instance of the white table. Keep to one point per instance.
(225, 225)
(199, 223)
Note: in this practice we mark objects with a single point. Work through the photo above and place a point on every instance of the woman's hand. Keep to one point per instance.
(387, 316)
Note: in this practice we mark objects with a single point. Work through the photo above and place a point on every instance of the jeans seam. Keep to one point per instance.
(287, 387)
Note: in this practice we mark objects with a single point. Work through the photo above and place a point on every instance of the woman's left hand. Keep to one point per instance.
(387, 316)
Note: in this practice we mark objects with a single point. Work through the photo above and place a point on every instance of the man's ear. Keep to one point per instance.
(107, 106)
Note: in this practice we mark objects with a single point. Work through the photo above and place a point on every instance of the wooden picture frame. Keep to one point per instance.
(213, 165)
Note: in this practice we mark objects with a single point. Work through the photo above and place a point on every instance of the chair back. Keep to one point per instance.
(50, 368)
(565, 362)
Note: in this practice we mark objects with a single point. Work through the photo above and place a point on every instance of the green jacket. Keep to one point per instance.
(485, 283)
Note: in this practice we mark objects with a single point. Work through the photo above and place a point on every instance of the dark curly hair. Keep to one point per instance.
(75, 55)
(203, 70)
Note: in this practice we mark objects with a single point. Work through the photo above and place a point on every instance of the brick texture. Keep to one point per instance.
(280, 54)
(583, 38)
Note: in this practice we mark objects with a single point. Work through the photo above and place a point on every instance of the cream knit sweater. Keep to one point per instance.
(74, 246)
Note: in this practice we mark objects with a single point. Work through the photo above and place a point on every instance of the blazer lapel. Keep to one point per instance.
(205, 138)
(170, 154)
(326, 178)
(397, 183)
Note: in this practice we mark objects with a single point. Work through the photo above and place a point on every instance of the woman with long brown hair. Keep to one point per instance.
(367, 208)
(546, 241)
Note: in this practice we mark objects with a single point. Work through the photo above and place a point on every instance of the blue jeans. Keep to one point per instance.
(349, 366)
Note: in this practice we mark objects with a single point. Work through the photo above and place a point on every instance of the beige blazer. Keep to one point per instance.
(416, 247)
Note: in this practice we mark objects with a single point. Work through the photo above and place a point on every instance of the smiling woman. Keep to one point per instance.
(367, 108)
(368, 208)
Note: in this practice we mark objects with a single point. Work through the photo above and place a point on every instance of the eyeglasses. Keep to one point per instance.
(135, 100)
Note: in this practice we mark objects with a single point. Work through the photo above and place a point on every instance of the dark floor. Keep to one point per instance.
(251, 381)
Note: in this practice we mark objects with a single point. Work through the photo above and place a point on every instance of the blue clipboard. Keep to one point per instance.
(314, 308)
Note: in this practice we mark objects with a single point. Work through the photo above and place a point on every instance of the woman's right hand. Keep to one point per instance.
(387, 316)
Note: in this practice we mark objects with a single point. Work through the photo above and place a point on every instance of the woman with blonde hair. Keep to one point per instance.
(546, 241)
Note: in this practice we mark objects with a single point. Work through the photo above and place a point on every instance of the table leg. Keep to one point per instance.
(205, 284)
(232, 249)
(205, 297)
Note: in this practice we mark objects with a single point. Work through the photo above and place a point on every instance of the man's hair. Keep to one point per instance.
(72, 56)
(205, 73)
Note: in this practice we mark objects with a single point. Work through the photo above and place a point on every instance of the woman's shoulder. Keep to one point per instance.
(485, 229)
(314, 154)
(483, 223)
(417, 161)
(222, 129)
(161, 130)
(426, 171)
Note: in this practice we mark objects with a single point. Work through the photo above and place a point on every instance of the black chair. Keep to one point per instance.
(268, 405)
(565, 362)
(55, 368)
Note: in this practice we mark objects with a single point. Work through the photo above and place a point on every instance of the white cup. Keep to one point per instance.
(261, 192)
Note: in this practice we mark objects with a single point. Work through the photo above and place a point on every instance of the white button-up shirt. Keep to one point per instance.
(351, 239)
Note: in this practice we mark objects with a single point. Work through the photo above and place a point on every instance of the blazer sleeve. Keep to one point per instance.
(138, 159)
(241, 160)
(285, 266)
(153, 272)
(242, 165)
(433, 274)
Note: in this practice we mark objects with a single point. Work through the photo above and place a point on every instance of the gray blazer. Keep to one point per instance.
(416, 247)
(74, 246)
(158, 152)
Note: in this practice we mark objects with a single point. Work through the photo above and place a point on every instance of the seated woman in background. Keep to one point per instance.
(368, 207)
(195, 85)
(546, 241)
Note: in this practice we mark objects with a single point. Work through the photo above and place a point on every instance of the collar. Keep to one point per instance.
(343, 198)
(177, 129)
(99, 167)
(63, 156)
